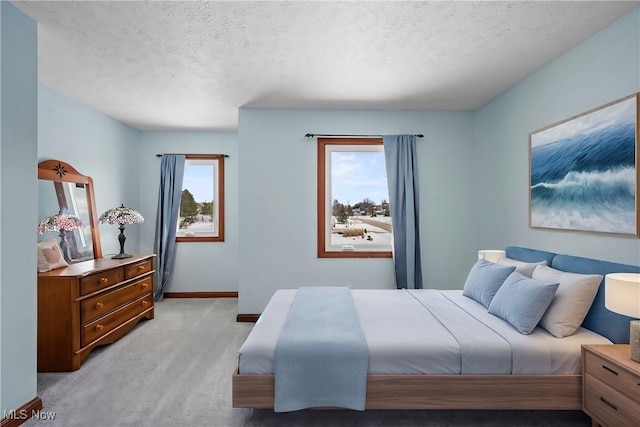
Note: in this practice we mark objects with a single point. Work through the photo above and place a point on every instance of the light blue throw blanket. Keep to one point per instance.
(321, 357)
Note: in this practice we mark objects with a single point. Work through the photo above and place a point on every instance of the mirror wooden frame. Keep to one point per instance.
(56, 170)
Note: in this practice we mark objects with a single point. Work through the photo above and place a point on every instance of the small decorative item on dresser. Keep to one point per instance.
(121, 216)
(635, 340)
(62, 222)
(622, 296)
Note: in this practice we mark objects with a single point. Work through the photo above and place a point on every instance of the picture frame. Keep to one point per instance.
(583, 171)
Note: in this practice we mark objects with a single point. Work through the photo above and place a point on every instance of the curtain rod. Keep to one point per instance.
(184, 154)
(311, 135)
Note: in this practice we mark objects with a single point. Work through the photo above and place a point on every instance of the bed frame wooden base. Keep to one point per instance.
(439, 391)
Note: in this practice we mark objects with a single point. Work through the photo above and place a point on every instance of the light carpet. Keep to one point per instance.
(176, 370)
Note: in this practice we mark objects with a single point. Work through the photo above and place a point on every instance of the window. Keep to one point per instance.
(354, 220)
(201, 217)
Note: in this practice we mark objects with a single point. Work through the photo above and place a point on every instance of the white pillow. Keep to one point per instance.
(571, 302)
(524, 268)
(50, 256)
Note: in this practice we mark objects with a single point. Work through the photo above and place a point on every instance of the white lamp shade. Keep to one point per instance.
(622, 293)
(491, 255)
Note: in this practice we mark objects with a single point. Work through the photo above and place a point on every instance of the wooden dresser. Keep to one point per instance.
(88, 304)
(610, 385)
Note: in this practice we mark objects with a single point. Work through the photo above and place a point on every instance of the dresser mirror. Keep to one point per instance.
(62, 189)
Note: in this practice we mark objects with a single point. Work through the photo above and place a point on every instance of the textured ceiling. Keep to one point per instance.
(192, 64)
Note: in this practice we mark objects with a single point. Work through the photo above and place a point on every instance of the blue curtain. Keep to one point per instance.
(402, 178)
(171, 173)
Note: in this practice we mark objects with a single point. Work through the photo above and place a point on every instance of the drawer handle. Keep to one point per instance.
(103, 280)
(140, 267)
(615, 408)
(99, 305)
(145, 285)
(99, 327)
(145, 303)
(609, 369)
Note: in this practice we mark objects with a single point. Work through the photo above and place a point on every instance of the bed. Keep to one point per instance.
(540, 371)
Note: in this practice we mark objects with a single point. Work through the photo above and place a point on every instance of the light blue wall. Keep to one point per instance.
(473, 177)
(18, 206)
(278, 208)
(98, 146)
(200, 266)
(602, 69)
(124, 168)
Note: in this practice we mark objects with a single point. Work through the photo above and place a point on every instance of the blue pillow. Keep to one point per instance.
(522, 301)
(484, 279)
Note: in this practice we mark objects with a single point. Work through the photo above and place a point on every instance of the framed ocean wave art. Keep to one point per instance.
(584, 171)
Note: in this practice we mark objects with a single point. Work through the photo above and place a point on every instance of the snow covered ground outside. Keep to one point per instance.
(375, 238)
(197, 227)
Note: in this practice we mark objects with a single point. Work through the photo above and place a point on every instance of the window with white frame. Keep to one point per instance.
(354, 217)
(201, 217)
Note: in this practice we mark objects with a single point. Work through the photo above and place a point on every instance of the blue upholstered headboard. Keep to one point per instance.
(600, 320)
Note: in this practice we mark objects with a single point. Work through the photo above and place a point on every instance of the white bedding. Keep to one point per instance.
(430, 331)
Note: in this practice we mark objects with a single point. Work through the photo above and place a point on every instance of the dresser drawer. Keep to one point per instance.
(97, 306)
(607, 405)
(102, 280)
(138, 269)
(607, 372)
(103, 325)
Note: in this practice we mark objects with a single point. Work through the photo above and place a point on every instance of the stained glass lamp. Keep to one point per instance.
(61, 223)
(121, 216)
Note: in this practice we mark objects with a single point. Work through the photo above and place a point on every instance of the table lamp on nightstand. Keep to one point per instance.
(491, 255)
(622, 296)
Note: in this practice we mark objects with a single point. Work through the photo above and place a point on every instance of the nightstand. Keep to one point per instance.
(610, 385)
